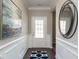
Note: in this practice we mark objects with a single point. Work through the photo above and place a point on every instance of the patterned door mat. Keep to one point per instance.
(39, 55)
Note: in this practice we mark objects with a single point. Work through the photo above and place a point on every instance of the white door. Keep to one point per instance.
(39, 31)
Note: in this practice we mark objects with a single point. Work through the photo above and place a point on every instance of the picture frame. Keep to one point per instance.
(11, 22)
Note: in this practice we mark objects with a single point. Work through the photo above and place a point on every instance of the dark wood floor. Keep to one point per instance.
(50, 52)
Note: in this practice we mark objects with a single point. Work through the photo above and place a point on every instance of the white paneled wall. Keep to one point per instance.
(15, 50)
(67, 49)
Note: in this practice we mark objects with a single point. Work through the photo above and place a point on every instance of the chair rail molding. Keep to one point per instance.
(68, 43)
(13, 41)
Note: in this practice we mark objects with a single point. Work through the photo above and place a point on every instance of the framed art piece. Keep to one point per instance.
(11, 19)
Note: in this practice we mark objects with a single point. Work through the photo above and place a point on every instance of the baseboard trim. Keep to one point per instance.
(24, 53)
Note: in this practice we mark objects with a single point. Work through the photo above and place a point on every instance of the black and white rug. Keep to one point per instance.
(39, 55)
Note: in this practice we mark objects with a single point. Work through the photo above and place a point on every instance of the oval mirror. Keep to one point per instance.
(68, 19)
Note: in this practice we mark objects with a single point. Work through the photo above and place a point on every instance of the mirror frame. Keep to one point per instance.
(68, 33)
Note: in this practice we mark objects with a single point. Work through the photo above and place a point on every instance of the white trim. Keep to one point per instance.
(21, 56)
(10, 49)
(39, 8)
(68, 49)
(7, 44)
(68, 43)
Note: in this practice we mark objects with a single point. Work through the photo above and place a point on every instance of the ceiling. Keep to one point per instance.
(41, 3)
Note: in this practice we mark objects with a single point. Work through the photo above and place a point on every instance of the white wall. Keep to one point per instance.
(44, 42)
(14, 48)
(17, 46)
(65, 48)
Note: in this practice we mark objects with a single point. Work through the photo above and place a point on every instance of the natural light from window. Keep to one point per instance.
(39, 26)
(63, 26)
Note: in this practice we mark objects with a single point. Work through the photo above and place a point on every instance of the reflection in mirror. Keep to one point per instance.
(65, 20)
(68, 19)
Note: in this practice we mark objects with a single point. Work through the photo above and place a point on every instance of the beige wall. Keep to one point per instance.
(42, 13)
(63, 45)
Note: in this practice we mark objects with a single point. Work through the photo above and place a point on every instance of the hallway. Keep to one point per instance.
(39, 29)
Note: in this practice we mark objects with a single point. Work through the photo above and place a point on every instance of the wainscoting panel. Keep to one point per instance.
(16, 50)
(66, 50)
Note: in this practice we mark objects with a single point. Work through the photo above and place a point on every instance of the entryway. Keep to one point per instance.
(50, 52)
